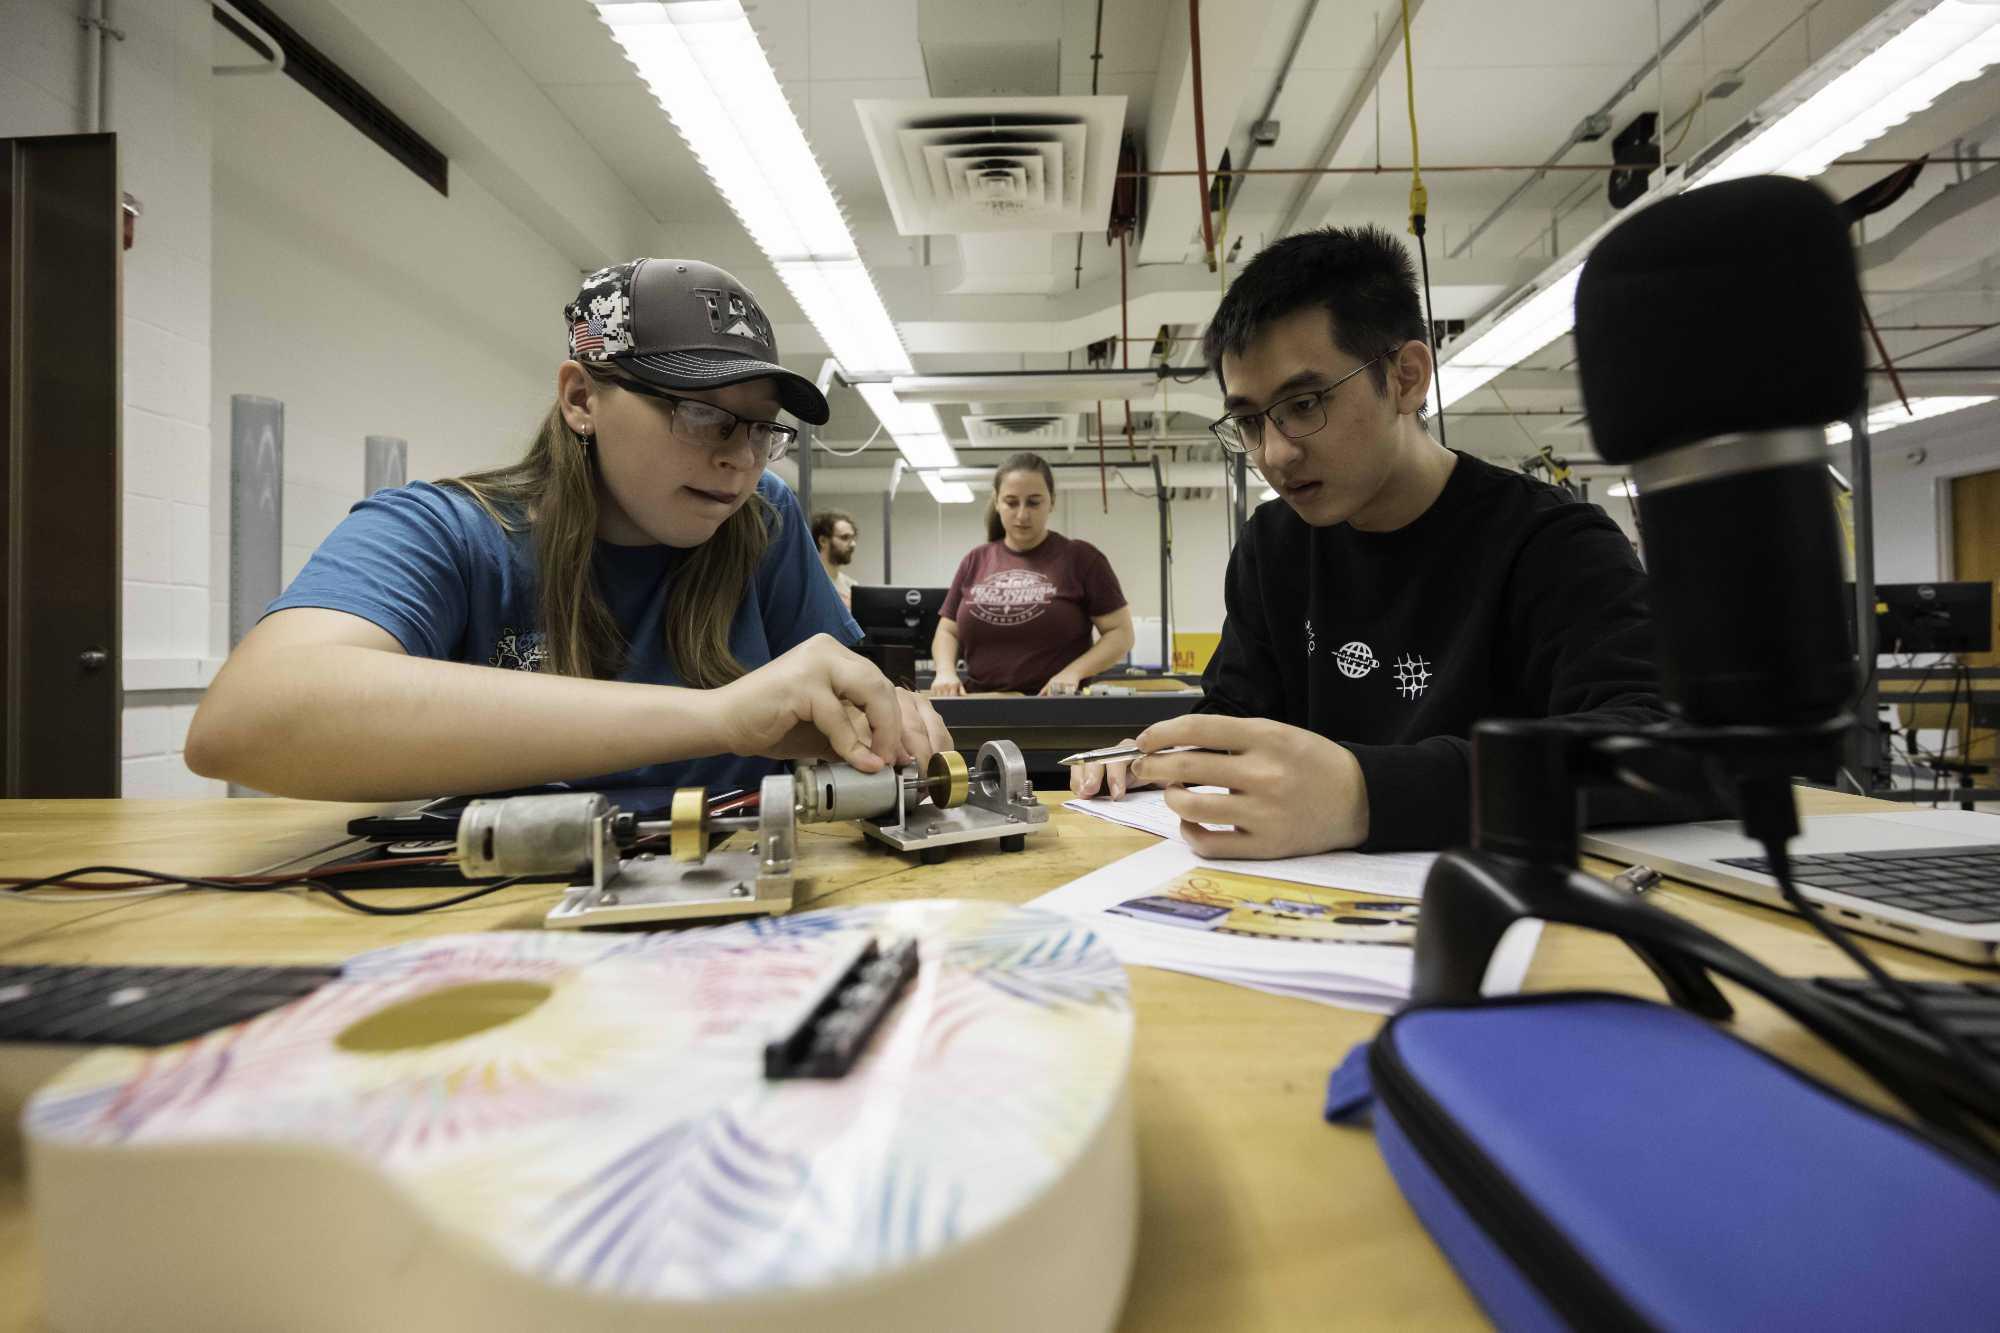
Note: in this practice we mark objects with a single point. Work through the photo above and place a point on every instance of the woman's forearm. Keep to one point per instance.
(1109, 648)
(347, 723)
(944, 652)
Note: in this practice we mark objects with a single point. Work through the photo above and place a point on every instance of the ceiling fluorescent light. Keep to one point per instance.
(1892, 68)
(1522, 331)
(1891, 415)
(840, 300)
(946, 492)
(1034, 386)
(704, 64)
(915, 427)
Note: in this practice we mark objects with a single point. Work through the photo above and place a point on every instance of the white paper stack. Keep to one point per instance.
(1166, 907)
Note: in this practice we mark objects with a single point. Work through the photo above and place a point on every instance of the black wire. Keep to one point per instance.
(1918, 1012)
(66, 879)
(1430, 327)
(372, 910)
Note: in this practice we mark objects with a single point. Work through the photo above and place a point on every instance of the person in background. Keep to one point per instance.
(634, 603)
(1020, 609)
(833, 532)
(1395, 594)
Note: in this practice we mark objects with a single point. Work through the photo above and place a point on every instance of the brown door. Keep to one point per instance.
(1975, 557)
(59, 479)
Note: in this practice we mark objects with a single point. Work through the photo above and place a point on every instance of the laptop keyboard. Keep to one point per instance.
(1960, 884)
(142, 1006)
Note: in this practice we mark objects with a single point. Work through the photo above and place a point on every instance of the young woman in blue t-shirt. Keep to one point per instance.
(649, 592)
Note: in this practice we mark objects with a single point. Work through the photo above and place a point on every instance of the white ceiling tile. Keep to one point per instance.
(627, 128)
(865, 39)
(554, 43)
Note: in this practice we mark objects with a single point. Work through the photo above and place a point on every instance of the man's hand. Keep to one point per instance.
(1113, 778)
(1291, 792)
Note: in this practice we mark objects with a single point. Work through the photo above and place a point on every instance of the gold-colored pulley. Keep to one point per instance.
(946, 780)
(688, 838)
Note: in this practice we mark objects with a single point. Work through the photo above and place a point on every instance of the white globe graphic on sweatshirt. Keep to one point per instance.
(1355, 659)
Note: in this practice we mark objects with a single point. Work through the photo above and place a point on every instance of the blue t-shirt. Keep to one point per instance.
(431, 567)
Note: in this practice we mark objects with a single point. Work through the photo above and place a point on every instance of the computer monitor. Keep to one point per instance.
(898, 615)
(1934, 617)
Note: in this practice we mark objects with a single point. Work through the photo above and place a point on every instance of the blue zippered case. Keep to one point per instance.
(1599, 1162)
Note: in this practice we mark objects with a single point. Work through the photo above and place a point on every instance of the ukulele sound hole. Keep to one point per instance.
(450, 1014)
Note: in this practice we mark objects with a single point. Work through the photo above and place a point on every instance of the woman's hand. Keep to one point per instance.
(1067, 681)
(946, 687)
(819, 687)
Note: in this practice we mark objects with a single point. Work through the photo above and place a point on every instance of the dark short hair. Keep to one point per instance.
(1361, 276)
(823, 521)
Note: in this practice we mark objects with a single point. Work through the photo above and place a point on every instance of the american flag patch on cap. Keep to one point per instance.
(586, 337)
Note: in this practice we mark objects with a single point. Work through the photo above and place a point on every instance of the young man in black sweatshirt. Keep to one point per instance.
(1398, 593)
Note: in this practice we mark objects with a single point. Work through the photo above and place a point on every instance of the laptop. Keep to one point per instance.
(1929, 879)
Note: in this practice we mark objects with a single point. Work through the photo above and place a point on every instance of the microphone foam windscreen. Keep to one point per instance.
(1734, 307)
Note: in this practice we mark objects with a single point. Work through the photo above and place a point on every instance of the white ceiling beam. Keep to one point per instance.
(1314, 194)
(443, 70)
(1014, 325)
(1231, 33)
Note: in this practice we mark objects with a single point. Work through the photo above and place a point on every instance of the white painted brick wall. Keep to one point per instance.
(160, 111)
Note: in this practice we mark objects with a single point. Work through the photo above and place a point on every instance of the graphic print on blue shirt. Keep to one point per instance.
(432, 568)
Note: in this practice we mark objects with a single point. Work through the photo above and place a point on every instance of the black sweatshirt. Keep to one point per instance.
(1506, 598)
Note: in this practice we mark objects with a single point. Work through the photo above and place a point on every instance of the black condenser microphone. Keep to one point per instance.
(1718, 333)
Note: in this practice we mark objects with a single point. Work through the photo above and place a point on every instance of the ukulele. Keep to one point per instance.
(552, 1131)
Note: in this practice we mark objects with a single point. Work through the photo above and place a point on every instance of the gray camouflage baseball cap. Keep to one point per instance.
(683, 324)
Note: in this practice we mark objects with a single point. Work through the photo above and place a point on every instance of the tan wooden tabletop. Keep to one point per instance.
(1255, 1214)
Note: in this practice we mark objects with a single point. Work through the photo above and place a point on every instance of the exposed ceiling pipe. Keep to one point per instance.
(1351, 113)
(1593, 126)
(274, 61)
(1601, 168)
(98, 29)
(1200, 132)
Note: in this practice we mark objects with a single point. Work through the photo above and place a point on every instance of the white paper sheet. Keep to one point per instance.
(1400, 874)
(1375, 977)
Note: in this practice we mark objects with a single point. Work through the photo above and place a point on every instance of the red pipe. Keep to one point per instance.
(1200, 132)
(1124, 311)
(1103, 476)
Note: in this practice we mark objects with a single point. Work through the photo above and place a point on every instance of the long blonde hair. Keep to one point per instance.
(553, 494)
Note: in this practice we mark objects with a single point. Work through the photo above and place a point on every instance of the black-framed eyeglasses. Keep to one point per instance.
(714, 427)
(1296, 415)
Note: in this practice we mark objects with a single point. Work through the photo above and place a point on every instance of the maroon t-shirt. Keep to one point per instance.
(1023, 616)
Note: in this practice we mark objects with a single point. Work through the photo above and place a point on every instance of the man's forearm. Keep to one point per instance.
(350, 723)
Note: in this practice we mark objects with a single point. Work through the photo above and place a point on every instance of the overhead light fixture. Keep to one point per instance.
(914, 427)
(1893, 67)
(1031, 386)
(1623, 490)
(946, 492)
(703, 62)
(1891, 415)
(1529, 325)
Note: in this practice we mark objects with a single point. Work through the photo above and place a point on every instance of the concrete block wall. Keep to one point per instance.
(159, 110)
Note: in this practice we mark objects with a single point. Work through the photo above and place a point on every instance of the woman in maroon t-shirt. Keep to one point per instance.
(1021, 607)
